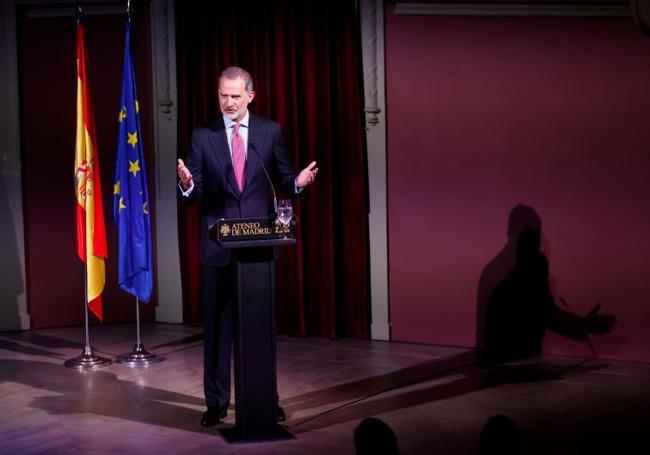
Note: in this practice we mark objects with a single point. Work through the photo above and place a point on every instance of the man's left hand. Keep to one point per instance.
(307, 175)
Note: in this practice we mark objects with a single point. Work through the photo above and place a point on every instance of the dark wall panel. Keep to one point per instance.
(485, 113)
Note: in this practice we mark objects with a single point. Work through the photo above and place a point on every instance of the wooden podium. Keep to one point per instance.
(252, 243)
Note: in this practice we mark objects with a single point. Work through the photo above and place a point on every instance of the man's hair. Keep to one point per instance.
(373, 436)
(501, 435)
(235, 72)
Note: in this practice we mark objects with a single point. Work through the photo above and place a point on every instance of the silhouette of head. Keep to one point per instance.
(373, 436)
(500, 435)
(522, 217)
(528, 244)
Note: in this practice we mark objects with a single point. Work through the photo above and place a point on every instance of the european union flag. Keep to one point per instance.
(130, 196)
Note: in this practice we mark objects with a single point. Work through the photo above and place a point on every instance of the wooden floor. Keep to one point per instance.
(435, 398)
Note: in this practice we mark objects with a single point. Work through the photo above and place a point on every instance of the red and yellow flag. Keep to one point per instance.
(91, 231)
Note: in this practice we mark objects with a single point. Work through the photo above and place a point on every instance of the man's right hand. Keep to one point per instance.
(184, 175)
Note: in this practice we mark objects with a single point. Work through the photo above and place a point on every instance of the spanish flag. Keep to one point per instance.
(91, 232)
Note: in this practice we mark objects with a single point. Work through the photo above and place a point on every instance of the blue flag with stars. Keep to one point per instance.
(130, 196)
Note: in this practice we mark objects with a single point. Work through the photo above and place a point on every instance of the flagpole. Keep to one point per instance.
(139, 357)
(86, 324)
(87, 360)
(137, 320)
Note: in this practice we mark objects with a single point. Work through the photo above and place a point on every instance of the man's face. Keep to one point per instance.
(233, 98)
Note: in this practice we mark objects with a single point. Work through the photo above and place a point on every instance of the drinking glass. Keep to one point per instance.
(285, 212)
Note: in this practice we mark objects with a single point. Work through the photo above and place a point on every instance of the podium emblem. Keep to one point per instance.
(225, 230)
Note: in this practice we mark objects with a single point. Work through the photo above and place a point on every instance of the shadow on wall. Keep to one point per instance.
(521, 217)
(10, 267)
(515, 304)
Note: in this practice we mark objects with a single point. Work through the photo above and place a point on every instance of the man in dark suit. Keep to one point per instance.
(226, 169)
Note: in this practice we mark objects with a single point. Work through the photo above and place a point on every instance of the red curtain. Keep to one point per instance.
(305, 60)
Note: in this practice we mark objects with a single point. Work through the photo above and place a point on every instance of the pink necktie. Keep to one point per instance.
(238, 156)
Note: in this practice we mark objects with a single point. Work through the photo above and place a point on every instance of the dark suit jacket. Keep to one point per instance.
(210, 163)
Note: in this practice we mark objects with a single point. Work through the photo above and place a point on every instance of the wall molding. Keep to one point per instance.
(369, 30)
(587, 9)
(170, 297)
(13, 298)
(372, 43)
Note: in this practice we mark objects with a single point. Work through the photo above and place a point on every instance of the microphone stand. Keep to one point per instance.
(259, 158)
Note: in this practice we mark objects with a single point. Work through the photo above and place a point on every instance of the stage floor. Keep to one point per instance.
(435, 398)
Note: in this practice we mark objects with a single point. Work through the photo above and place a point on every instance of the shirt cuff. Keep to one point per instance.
(187, 192)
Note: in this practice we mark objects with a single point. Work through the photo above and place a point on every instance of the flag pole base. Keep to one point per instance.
(87, 360)
(139, 357)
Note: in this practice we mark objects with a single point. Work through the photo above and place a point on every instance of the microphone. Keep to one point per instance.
(275, 199)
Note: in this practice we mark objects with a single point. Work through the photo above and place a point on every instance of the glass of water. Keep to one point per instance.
(285, 212)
